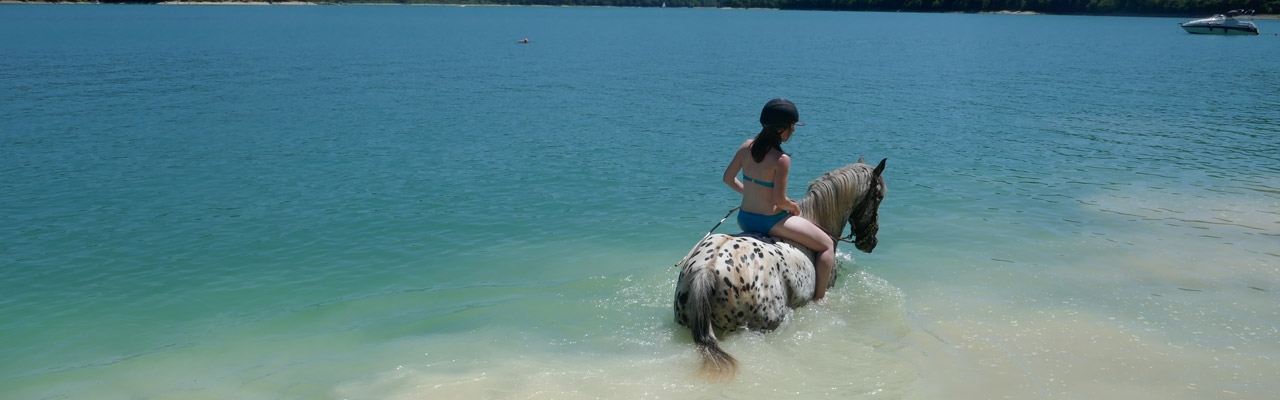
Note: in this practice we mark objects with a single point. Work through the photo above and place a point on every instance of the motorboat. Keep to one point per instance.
(1222, 24)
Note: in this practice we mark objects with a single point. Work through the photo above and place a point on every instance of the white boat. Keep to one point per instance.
(1222, 24)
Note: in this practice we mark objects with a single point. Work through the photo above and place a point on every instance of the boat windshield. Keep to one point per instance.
(1242, 11)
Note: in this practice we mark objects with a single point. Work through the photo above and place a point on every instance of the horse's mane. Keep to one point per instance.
(834, 195)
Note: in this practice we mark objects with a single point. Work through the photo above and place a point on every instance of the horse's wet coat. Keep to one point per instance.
(756, 279)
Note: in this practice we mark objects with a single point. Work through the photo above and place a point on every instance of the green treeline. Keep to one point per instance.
(1090, 7)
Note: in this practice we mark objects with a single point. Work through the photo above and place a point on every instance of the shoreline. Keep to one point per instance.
(313, 3)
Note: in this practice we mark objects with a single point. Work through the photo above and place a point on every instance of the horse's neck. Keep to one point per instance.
(832, 224)
(842, 189)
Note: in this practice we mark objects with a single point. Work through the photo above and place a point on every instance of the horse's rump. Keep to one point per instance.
(755, 278)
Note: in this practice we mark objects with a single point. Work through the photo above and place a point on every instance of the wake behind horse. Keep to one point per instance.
(751, 280)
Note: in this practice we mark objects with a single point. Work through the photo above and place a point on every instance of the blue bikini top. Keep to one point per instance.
(746, 178)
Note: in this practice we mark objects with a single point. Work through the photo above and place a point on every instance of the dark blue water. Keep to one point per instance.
(402, 202)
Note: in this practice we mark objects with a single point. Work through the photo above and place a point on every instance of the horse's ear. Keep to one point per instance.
(879, 168)
(862, 160)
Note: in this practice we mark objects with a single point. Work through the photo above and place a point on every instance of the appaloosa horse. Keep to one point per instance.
(750, 280)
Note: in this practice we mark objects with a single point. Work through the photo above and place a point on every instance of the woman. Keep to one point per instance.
(765, 206)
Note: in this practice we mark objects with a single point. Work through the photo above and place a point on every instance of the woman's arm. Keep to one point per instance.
(731, 172)
(780, 186)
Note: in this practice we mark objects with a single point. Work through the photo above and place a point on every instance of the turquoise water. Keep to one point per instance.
(401, 202)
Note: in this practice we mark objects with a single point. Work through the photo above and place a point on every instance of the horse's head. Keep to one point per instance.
(864, 220)
(850, 194)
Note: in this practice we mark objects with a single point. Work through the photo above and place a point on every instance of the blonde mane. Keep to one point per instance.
(834, 195)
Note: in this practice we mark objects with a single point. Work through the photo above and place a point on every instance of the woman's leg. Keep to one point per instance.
(809, 235)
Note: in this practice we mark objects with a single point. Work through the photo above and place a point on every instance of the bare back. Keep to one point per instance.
(768, 179)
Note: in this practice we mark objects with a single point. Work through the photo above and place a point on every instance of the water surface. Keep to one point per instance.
(402, 202)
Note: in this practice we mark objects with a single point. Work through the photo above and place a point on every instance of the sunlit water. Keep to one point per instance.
(403, 203)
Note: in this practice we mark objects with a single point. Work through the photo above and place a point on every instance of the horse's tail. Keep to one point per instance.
(716, 364)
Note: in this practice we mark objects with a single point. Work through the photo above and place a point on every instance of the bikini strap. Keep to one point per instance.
(756, 181)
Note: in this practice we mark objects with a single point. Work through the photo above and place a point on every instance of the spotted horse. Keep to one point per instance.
(751, 280)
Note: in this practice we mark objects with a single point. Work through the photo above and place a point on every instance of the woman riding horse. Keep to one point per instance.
(751, 279)
(765, 206)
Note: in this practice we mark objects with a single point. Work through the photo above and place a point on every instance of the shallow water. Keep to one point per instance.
(401, 202)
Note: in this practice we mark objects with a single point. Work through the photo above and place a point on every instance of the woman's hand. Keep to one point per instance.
(794, 209)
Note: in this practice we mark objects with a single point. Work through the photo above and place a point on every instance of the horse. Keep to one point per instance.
(751, 280)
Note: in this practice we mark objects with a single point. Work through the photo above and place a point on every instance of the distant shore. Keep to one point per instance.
(247, 3)
(312, 3)
(1258, 16)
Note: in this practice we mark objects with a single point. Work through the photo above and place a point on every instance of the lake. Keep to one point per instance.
(402, 202)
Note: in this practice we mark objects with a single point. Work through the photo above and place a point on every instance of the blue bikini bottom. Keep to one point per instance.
(752, 222)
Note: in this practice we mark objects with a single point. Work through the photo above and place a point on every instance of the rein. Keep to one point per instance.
(834, 237)
(845, 239)
(713, 229)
